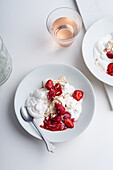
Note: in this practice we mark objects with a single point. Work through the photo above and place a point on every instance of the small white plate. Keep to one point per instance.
(95, 32)
(34, 81)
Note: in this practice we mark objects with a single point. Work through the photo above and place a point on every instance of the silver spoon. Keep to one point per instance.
(26, 116)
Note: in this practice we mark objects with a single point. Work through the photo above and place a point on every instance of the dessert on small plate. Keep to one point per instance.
(103, 54)
(97, 49)
(53, 98)
(56, 106)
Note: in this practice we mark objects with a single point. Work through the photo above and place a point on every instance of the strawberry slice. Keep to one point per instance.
(57, 118)
(73, 120)
(60, 126)
(49, 84)
(59, 109)
(51, 95)
(109, 55)
(67, 115)
(78, 94)
(68, 122)
(58, 89)
(110, 68)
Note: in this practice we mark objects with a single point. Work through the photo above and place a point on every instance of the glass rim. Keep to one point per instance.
(64, 8)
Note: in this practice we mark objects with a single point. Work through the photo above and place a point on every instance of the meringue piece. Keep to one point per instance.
(68, 89)
(40, 94)
(36, 107)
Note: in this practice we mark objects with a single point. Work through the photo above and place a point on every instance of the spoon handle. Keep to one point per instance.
(49, 146)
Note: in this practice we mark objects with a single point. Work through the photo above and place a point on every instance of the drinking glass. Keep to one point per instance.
(64, 24)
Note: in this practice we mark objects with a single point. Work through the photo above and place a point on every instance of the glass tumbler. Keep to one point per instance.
(64, 24)
(5, 63)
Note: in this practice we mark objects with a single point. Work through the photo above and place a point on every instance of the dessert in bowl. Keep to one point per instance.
(57, 105)
(76, 80)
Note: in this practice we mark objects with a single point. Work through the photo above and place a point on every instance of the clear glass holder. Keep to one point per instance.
(5, 63)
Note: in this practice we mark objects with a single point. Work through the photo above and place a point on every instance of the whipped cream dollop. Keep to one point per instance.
(39, 105)
(101, 47)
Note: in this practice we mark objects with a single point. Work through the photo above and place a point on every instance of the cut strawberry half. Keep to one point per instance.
(49, 84)
(110, 68)
(109, 55)
(78, 94)
(69, 123)
(59, 109)
(51, 95)
(58, 89)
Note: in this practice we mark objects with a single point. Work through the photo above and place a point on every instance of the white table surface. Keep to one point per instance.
(22, 26)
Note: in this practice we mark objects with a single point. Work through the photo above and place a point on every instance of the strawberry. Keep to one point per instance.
(61, 126)
(110, 68)
(58, 89)
(53, 124)
(49, 84)
(111, 74)
(51, 95)
(78, 95)
(67, 115)
(69, 123)
(59, 109)
(109, 55)
(73, 120)
(57, 118)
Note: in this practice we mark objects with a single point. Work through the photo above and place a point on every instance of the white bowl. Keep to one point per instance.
(34, 81)
(95, 32)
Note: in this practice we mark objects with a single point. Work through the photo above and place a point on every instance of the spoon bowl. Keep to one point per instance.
(26, 116)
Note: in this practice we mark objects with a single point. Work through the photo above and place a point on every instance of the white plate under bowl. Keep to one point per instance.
(34, 81)
(95, 32)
